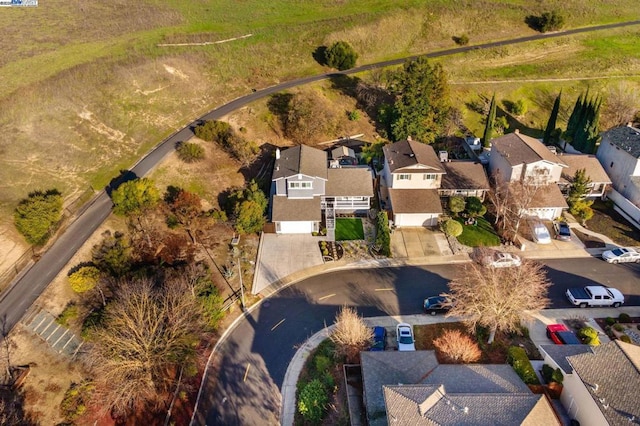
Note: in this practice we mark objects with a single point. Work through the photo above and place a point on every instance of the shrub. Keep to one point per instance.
(517, 108)
(517, 358)
(625, 338)
(214, 131)
(322, 363)
(36, 216)
(625, 318)
(457, 348)
(351, 334)
(383, 235)
(557, 376)
(70, 312)
(452, 228)
(190, 152)
(548, 21)
(73, 404)
(547, 372)
(610, 321)
(618, 327)
(462, 40)
(84, 278)
(590, 336)
(341, 55)
(475, 207)
(457, 204)
(312, 401)
(353, 115)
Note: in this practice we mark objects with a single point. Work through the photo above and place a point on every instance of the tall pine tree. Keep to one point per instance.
(574, 118)
(553, 118)
(491, 118)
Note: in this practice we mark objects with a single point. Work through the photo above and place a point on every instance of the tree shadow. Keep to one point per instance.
(124, 176)
(319, 55)
(261, 167)
(279, 105)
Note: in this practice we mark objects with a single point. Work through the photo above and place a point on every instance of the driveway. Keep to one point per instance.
(418, 242)
(280, 255)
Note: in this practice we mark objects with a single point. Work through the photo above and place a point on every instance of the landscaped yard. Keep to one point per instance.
(494, 354)
(349, 228)
(608, 222)
(480, 234)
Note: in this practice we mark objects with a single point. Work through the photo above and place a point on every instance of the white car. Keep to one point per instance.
(540, 233)
(404, 334)
(502, 260)
(621, 255)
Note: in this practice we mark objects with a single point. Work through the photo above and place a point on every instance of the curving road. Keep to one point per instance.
(24, 291)
(252, 360)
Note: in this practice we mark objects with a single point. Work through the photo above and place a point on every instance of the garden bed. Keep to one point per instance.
(616, 328)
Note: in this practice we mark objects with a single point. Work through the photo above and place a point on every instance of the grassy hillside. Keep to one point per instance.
(86, 90)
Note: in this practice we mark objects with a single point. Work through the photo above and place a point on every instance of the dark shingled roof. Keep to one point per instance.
(411, 153)
(464, 175)
(559, 354)
(615, 368)
(591, 165)
(625, 137)
(478, 378)
(517, 148)
(356, 182)
(415, 201)
(301, 159)
(295, 209)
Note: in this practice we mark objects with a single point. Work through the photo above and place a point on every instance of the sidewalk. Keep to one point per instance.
(537, 333)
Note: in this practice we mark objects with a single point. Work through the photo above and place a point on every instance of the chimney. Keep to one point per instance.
(277, 153)
(517, 131)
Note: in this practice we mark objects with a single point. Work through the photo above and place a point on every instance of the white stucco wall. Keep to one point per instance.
(619, 165)
(497, 163)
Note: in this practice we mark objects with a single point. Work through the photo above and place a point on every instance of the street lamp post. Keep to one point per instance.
(241, 285)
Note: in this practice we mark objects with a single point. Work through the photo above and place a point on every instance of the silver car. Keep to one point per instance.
(621, 255)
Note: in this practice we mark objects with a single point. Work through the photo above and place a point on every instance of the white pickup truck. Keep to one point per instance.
(595, 295)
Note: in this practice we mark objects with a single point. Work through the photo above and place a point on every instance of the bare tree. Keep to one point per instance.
(457, 348)
(497, 298)
(351, 335)
(621, 105)
(148, 334)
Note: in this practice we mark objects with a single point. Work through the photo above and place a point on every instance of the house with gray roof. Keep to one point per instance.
(414, 179)
(518, 157)
(305, 191)
(619, 154)
(601, 383)
(411, 388)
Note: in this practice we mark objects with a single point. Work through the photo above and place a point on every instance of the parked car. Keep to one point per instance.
(561, 335)
(562, 231)
(621, 255)
(404, 334)
(540, 233)
(501, 260)
(435, 305)
(595, 295)
(379, 339)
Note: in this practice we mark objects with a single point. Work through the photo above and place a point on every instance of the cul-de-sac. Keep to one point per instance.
(335, 212)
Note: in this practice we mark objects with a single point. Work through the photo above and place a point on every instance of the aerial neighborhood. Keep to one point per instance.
(327, 213)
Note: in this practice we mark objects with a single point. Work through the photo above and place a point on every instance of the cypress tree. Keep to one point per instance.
(491, 118)
(551, 124)
(592, 133)
(574, 118)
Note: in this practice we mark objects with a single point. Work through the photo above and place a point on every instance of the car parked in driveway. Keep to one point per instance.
(561, 335)
(435, 305)
(540, 233)
(621, 255)
(379, 339)
(562, 231)
(404, 334)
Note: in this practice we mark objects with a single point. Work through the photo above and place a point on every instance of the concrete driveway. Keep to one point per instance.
(418, 242)
(281, 255)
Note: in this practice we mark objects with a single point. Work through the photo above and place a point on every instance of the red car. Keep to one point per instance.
(561, 335)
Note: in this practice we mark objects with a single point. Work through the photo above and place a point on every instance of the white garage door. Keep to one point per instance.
(404, 219)
(545, 214)
(304, 227)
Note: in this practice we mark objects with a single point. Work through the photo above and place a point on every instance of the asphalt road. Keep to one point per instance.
(255, 355)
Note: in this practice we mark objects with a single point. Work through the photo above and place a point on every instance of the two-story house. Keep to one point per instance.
(305, 191)
(413, 181)
(619, 154)
(600, 382)
(517, 157)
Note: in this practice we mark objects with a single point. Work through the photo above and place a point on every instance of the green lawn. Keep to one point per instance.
(478, 235)
(349, 229)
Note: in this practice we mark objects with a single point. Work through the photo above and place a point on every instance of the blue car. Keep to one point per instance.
(379, 339)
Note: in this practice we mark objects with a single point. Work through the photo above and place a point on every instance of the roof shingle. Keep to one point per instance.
(411, 153)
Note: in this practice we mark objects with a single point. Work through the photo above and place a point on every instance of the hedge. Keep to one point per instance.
(517, 358)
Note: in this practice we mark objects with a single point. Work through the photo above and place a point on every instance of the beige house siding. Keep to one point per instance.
(415, 178)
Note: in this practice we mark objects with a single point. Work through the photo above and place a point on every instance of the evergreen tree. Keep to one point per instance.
(573, 119)
(579, 187)
(553, 118)
(491, 118)
(422, 106)
(592, 133)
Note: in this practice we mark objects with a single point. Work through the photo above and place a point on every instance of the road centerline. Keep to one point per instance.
(326, 297)
(246, 372)
(280, 322)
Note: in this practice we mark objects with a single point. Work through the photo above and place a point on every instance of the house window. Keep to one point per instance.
(428, 176)
(404, 176)
(299, 185)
